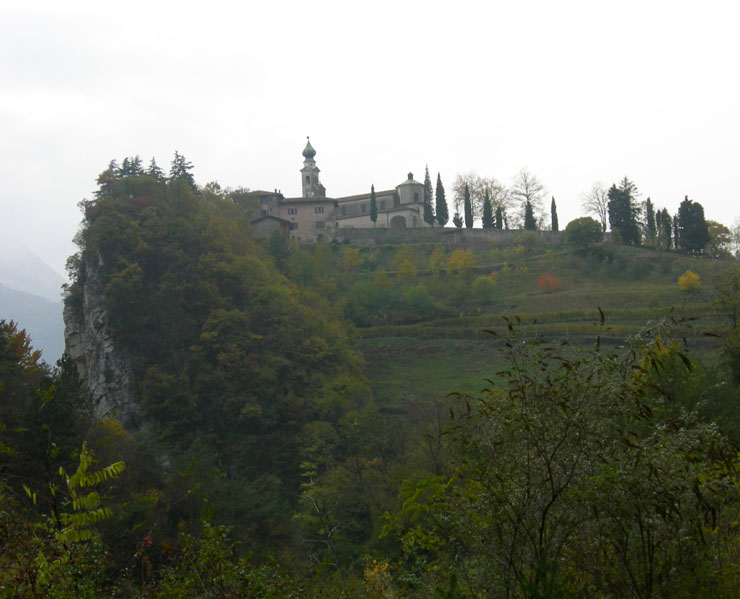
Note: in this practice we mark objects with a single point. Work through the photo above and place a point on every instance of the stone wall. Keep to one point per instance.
(449, 236)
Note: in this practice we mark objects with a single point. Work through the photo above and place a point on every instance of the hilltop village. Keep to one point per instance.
(316, 217)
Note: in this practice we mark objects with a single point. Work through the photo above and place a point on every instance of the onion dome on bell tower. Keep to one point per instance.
(310, 184)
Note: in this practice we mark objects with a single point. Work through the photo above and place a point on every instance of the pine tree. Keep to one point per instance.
(623, 212)
(554, 215)
(180, 170)
(154, 171)
(468, 207)
(373, 205)
(487, 218)
(136, 168)
(441, 203)
(499, 224)
(530, 224)
(650, 225)
(428, 199)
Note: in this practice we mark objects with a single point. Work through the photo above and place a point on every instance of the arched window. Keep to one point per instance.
(308, 180)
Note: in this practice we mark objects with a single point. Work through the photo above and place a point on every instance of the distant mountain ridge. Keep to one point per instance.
(41, 319)
(21, 269)
(31, 295)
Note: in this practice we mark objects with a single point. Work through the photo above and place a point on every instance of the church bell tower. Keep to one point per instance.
(312, 188)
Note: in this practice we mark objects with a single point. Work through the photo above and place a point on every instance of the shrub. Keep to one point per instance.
(582, 232)
(548, 284)
(688, 281)
(437, 262)
(460, 262)
(406, 270)
(483, 289)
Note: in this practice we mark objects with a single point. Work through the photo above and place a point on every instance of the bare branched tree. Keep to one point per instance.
(499, 195)
(527, 188)
(596, 202)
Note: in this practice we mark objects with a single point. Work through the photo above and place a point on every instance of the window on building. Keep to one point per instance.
(382, 204)
(318, 209)
(363, 207)
(263, 212)
(319, 224)
(416, 196)
(264, 200)
(308, 179)
(292, 210)
(293, 226)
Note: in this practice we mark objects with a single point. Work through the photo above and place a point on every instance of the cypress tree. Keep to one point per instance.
(693, 233)
(499, 224)
(650, 224)
(373, 205)
(487, 218)
(530, 224)
(428, 198)
(666, 228)
(441, 203)
(468, 208)
(675, 232)
(554, 215)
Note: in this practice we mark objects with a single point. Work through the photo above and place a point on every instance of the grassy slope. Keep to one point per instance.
(425, 360)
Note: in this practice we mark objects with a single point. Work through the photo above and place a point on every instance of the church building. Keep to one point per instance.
(315, 217)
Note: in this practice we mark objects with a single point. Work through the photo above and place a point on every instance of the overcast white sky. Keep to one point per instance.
(576, 91)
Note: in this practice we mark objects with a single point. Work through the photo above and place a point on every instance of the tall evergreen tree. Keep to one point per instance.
(650, 225)
(554, 215)
(666, 223)
(136, 168)
(693, 233)
(663, 229)
(154, 171)
(373, 205)
(428, 198)
(457, 220)
(487, 218)
(675, 231)
(441, 203)
(623, 212)
(180, 170)
(530, 224)
(499, 224)
(468, 208)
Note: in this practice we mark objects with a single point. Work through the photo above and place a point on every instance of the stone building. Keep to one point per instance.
(315, 217)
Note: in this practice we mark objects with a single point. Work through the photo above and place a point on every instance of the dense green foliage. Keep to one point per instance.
(583, 232)
(487, 217)
(693, 233)
(440, 207)
(468, 208)
(429, 217)
(373, 205)
(230, 357)
(530, 224)
(623, 212)
(274, 463)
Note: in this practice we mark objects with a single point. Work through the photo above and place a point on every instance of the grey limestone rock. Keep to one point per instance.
(105, 368)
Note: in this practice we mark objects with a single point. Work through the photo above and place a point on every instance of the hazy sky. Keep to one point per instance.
(577, 92)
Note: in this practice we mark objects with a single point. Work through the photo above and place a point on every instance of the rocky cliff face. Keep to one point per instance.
(105, 369)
